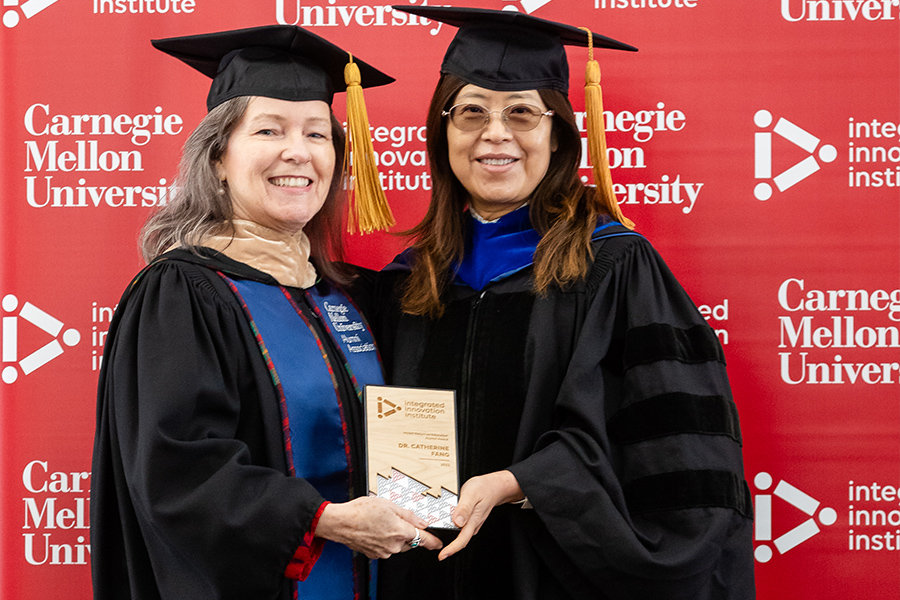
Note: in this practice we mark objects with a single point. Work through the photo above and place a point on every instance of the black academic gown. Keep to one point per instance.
(610, 403)
(190, 496)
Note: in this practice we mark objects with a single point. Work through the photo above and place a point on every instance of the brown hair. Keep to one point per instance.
(198, 209)
(562, 209)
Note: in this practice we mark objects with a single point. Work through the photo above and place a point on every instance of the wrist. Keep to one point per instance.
(329, 521)
(509, 488)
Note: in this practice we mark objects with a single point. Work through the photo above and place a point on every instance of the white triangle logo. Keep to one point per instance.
(9, 341)
(763, 154)
(794, 537)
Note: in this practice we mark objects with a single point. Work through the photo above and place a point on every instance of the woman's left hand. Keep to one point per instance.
(477, 498)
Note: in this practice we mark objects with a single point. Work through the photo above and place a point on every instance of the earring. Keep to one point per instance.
(221, 190)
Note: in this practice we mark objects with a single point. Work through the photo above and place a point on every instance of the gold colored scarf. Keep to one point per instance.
(284, 257)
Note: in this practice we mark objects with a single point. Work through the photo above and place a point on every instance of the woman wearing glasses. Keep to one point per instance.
(599, 445)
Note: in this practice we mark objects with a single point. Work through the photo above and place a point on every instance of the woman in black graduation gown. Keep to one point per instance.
(598, 439)
(227, 455)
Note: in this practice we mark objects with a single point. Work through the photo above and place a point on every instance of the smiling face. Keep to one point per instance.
(498, 167)
(279, 163)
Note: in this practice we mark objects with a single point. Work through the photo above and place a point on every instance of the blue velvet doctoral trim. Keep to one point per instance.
(497, 249)
(503, 247)
(500, 248)
(316, 425)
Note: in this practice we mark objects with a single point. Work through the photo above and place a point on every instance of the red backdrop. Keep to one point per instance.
(756, 144)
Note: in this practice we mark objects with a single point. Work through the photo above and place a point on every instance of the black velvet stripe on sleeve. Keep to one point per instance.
(688, 489)
(674, 413)
(659, 341)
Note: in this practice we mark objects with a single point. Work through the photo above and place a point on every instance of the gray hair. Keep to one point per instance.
(201, 205)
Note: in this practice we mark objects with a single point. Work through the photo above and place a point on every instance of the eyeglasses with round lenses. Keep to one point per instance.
(518, 117)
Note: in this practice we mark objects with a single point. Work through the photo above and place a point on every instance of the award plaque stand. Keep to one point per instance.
(411, 450)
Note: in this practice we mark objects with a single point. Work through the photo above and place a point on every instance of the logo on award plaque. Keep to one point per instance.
(411, 450)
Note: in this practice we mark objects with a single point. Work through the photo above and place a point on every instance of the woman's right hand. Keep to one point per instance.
(375, 527)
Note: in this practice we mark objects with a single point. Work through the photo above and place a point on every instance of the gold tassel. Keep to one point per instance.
(593, 105)
(369, 209)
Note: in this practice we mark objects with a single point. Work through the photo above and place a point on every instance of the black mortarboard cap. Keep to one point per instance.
(509, 51)
(287, 62)
(284, 62)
